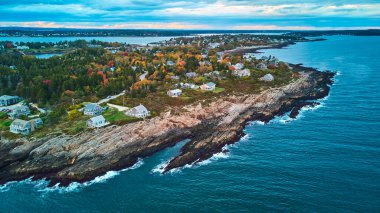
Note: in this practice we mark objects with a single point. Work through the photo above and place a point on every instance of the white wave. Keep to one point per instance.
(6, 187)
(220, 155)
(245, 137)
(42, 185)
(160, 167)
(256, 123)
(215, 157)
(75, 186)
(285, 119)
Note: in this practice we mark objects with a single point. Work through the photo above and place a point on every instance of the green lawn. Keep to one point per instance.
(5, 123)
(218, 90)
(114, 115)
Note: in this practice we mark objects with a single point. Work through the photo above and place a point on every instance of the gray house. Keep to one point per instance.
(93, 109)
(242, 73)
(261, 66)
(139, 111)
(267, 77)
(19, 111)
(23, 127)
(7, 100)
(191, 75)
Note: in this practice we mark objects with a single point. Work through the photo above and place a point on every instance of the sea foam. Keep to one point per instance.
(220, 155)
(42, 185)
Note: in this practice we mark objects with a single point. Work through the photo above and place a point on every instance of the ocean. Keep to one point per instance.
(326, 160)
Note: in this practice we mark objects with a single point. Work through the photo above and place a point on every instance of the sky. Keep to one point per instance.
(181, 14)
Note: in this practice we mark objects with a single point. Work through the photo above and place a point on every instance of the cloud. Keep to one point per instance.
(74, 9)
(216, 14)
(92, 25)
(170, 25)
(299, 9)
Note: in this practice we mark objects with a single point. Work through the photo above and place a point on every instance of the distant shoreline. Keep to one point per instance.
(66, 32)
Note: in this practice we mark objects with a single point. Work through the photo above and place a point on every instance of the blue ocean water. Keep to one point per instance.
(327, 160)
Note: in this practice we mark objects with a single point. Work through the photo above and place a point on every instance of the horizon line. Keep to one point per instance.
(196, 29)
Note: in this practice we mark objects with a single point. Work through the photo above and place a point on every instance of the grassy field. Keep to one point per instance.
(115, 116)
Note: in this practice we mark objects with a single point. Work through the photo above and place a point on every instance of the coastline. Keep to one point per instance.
(65, 159)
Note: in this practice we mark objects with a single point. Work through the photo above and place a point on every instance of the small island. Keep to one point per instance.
(101, 106)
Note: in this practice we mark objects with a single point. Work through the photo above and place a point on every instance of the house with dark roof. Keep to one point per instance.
(19, 111)
(7, 100)
(93, 109)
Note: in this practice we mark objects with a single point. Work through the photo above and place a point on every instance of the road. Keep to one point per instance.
(39, 109)
(104, 100)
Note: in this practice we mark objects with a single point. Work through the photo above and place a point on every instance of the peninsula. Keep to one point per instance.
(102, 106)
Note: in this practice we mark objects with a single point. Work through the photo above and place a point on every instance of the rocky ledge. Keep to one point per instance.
(63, 159)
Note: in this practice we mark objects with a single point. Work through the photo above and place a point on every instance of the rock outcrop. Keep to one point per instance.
(64, 159)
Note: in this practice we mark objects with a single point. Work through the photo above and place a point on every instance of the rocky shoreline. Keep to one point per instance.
(63, 159)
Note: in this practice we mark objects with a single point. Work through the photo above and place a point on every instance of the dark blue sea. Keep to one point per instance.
(326, 160)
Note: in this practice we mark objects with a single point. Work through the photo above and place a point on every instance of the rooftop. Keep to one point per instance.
(97, 118)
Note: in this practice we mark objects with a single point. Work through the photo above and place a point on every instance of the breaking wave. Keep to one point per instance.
(42, 185)
(217, 156)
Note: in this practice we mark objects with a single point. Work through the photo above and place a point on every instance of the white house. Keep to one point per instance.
(188, 86)
(170, 63)
(214, 45)
(174, 92)
(267, 77)
(210, 86)
(93, 109)
(97, 122)
(19, 126)
(241, 73)
(22, 47)
(238, 66)
(139, 111)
